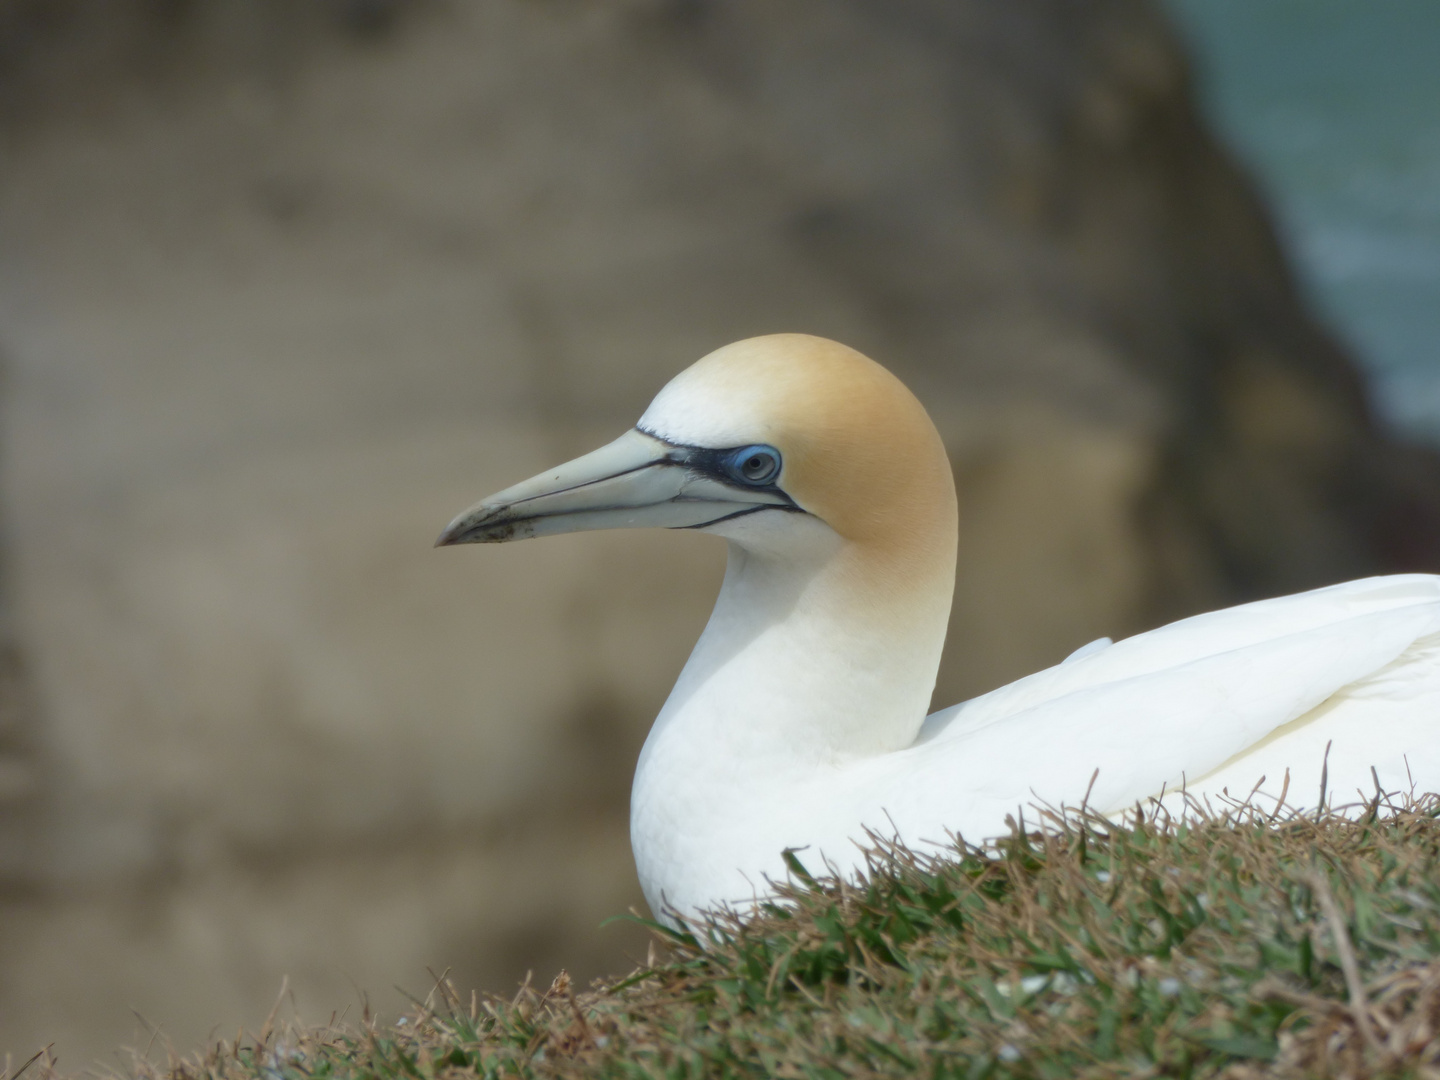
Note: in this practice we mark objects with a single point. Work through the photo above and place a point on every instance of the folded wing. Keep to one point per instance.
(1217, 701)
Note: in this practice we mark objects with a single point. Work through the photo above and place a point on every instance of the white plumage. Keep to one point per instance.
(799, 719)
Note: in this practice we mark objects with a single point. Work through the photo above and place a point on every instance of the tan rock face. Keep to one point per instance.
(272, 315)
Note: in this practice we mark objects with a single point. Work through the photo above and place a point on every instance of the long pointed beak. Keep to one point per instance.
(636, 481)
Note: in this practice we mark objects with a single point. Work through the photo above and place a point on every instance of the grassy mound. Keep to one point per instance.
(1239, 948)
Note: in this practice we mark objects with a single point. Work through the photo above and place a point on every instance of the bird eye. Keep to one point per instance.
(755, 464)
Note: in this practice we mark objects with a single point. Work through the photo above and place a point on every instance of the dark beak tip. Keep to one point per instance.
(482, 528)
(457, 532)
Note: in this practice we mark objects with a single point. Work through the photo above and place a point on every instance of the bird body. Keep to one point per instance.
(799, 720)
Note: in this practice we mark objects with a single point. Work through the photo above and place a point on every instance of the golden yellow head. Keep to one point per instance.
(857, 449)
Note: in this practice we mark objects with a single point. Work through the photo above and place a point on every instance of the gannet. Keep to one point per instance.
(799, 721)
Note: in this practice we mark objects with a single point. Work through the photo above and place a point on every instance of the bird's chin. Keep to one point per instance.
(779, 533)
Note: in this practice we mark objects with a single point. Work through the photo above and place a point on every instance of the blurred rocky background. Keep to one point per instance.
(1335, 104)
(285, 285)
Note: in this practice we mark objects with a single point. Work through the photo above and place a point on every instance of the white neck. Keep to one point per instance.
(806, 659)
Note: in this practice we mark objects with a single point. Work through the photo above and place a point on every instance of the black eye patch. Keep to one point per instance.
(756, 467)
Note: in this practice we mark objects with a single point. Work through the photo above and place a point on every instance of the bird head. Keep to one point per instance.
(752, 439)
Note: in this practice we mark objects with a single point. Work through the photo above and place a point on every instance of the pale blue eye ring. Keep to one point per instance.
(754, 465)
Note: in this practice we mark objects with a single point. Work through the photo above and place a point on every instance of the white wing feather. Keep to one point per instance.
(1214, 701)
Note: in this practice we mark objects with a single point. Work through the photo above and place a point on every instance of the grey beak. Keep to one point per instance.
(637, 481)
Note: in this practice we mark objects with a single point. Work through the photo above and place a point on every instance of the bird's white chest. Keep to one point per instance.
(709, 823)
